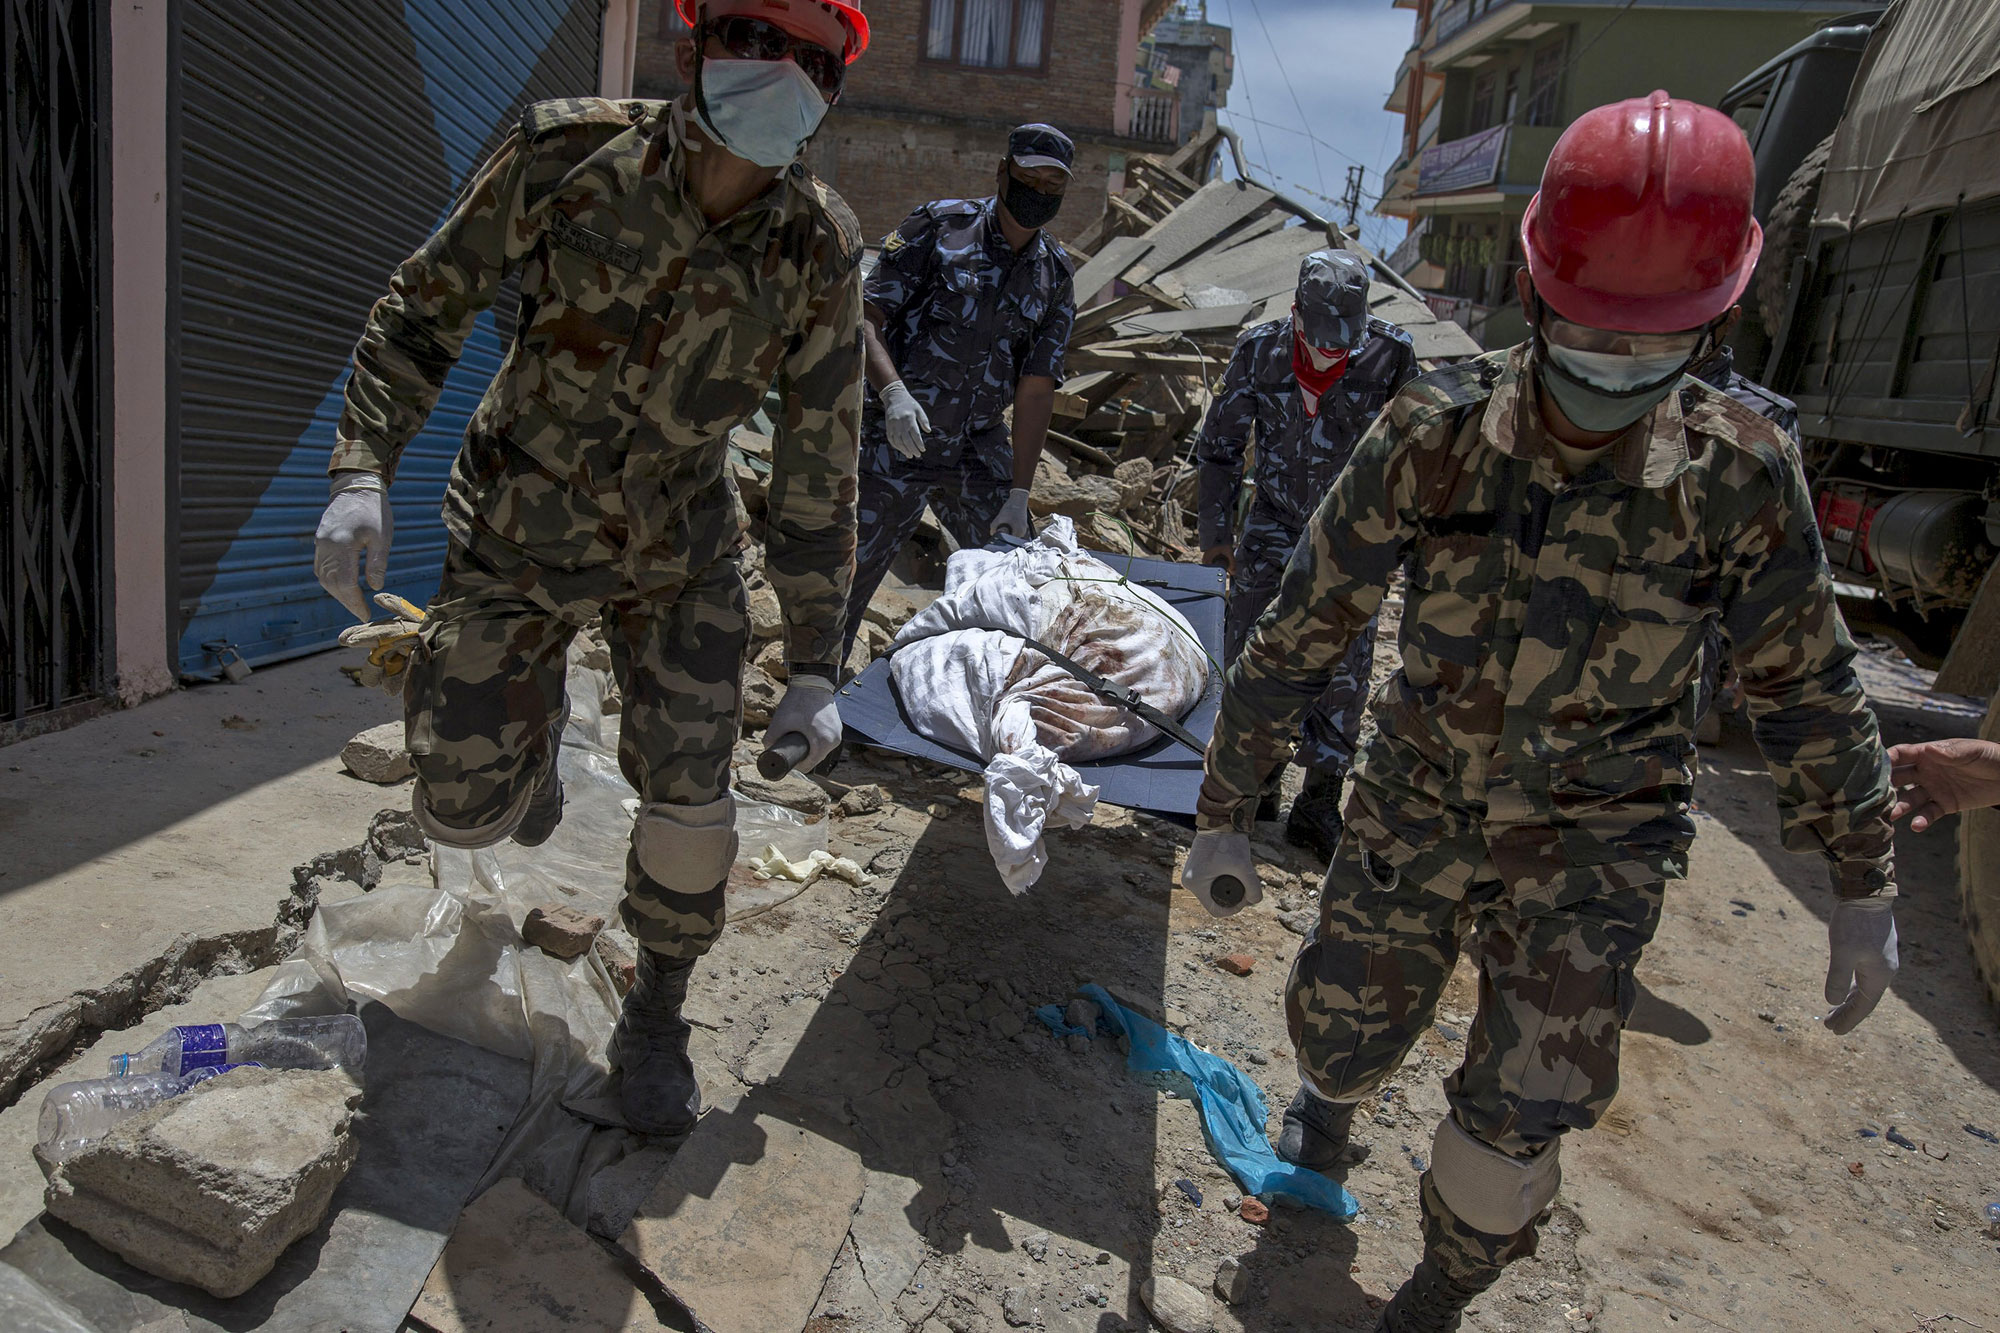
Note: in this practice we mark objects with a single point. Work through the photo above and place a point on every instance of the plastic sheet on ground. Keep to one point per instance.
(451, 957)
(968, 679)
(1232, 1108)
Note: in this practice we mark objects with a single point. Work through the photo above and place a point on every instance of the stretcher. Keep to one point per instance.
(1163, 778)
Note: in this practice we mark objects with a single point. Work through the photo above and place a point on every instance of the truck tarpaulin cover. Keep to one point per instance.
(967, 680)
(1922, 126)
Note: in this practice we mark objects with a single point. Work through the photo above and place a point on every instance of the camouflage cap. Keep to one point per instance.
(1041, 146)
(1333, 298)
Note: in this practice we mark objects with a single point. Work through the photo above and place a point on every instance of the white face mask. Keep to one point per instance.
(761, 110)
(1617, 372)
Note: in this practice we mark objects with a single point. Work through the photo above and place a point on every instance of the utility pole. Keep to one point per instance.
(1350, 198)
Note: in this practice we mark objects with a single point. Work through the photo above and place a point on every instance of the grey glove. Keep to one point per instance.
(1215, 854)
(1013, 516)
(357, 523)
(1861, 949)
(904, 420)
(807, 709)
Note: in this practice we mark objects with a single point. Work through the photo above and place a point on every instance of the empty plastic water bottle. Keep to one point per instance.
(335, 1042)
(75, 1115)
(1991, 1212)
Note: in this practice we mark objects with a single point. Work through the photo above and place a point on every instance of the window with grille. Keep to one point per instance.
(989, 34)
(1545, 87)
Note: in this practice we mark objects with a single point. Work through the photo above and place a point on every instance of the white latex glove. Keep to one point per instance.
(904, 420)
(809, 710)
(1013, 516)
(1861, 949)
(357, 523)
(1214, 854)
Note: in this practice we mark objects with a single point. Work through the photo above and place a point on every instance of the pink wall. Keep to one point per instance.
(136, 309)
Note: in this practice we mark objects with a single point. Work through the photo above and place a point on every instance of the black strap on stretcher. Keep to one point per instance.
(1121, 695)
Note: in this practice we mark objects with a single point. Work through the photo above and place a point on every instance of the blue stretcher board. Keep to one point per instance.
(1164, 778)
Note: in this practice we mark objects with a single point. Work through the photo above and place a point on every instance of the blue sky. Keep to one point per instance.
(1340, 56)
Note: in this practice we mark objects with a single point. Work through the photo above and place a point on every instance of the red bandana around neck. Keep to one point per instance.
(1315, 380)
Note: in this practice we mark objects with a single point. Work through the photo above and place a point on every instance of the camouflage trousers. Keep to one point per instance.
(1555, 990)
(1331, 728)
(487, 680)
(966, 495)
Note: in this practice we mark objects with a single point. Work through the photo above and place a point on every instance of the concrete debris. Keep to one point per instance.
(513, 1263)
(1232, 1283)
(793, 791)
(560, 931)
(747, 1220)
(889, 609)
(767, 620)
(619, 961)
(211, 1187)
(1175, 1305)
(866, 799)
(393, 835)
(760, 696)
(26, 1306)
(377, 755)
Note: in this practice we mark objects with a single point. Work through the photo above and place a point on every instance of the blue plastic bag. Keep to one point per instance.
(1232, 1108)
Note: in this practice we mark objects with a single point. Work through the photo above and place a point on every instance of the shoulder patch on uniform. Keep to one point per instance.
(1376, 324)
(1713, 414)
(544, 118)
(840, 219)
(1459, 385)
(949, 208)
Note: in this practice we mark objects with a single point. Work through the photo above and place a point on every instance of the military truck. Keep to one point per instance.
(1877, 311)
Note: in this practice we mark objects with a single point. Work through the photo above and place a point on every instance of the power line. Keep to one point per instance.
(1283, 74)
(1287, 129)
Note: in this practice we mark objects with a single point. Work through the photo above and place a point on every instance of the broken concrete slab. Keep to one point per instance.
(748, 1219)
(434, 1113)
(561, 931)
(1177, 1306)
(211, 1187)
(164, 843)
(377, 755)
(28, 1307)
(615, 1192)
(794, 791)
(514, 1263)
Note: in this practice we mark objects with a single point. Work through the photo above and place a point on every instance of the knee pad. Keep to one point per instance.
(469, 839)
(686, 849)
(1484, 1187)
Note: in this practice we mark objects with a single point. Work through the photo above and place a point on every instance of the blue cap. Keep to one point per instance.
(1040, 146)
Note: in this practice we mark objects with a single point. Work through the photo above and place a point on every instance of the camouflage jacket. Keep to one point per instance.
(597, 459)
(1719, 372)
(1298, 456)
(1551, 637)
(965, 317)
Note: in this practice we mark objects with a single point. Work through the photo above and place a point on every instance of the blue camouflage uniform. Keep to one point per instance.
(965, 318)
(1298, 457)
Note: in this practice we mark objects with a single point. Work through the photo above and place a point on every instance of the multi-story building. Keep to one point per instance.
(1190, 59)
(1489, 85)
(926, 112)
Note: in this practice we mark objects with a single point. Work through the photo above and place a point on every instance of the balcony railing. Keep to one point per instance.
(1456, 17)
(1156, 115)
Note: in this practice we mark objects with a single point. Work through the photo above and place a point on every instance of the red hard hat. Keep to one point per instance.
(1643, 220)
(799, 17)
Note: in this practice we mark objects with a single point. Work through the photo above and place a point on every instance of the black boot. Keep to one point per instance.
(1315, 821)
(545, 807)
(1315, 1131)
(1267, 805)
(1431, 1301)
(649, 1049)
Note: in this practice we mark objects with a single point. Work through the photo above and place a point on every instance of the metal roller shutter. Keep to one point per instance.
(316, 146)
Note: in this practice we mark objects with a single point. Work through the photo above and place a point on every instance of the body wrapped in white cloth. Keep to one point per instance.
(968, 680)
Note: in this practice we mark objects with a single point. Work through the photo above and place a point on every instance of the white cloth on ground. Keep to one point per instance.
(967, 680)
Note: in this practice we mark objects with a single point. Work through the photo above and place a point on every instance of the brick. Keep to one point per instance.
(1240, 964)
(561, 932)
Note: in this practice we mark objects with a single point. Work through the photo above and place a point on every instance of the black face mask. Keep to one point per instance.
(1029, 206)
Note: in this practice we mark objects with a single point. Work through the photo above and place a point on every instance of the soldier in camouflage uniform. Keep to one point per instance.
(674, 260)
(968, 311)
(1305, 388)
(1569, 514)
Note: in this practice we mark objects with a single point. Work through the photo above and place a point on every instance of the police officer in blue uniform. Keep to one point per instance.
(968, 311)
(1305, 388)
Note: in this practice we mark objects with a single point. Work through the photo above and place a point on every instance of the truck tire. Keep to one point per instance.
(1786, 233)
(1979, 877)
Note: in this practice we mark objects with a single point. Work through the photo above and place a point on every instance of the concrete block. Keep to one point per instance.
(377, 755)
(746, 1222)
(559, 931)
(211, 1187)
(514, 1263)
(794, 791)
